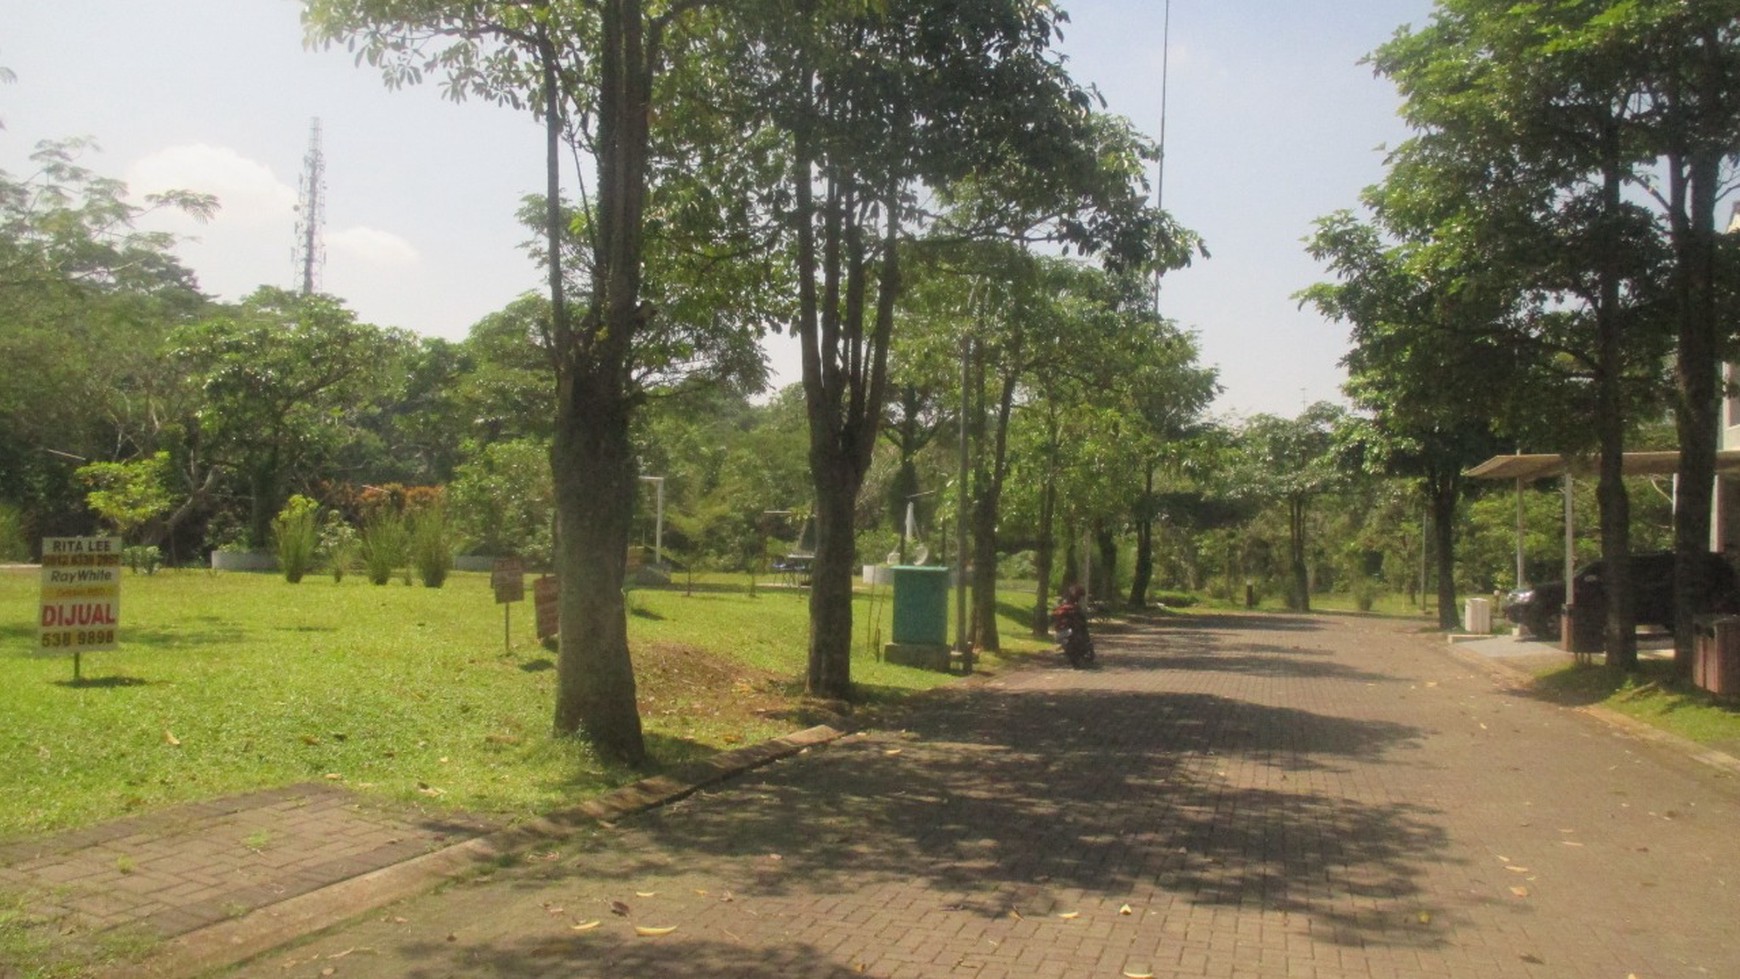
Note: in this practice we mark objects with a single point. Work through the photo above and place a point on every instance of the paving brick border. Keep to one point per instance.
(231, 941)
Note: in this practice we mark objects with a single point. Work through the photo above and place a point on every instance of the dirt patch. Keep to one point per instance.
(671, 677)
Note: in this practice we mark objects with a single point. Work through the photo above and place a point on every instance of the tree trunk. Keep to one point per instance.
(1043, 557)
(830, 650)
(1144, 570)
(592, 456)
(1698, 405)
(985, 509)
(595, 479)
(1299, 593)
(1105, 574)
(1445, 488)
(1619, 629)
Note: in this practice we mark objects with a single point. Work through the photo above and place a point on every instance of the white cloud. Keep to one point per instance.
(248, 192)
(372, 246)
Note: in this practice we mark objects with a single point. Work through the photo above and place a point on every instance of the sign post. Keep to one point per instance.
(507, 577)
(81, 595)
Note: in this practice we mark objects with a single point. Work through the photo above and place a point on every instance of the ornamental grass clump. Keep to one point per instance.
(385, 542)
(296, 537)
(339, 542)
(431, 545)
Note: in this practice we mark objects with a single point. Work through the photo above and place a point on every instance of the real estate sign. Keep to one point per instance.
(81, 594)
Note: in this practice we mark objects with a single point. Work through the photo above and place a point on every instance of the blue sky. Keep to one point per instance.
(1271, 123)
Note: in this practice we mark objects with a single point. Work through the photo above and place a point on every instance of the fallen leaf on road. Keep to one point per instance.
(1532, 959)
(1138, 975)
(617, 907)
(646, 932)
(170, 739)
(646, 893)
(1425, 918)
(893, 751)
(1570, 842)
(1070, 915)
(1513, 868)
(586, 925)
(1520, 891)
(334, 777)
(1126, 910)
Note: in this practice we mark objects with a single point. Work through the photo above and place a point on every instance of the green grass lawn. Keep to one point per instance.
(1653, 695)
(230, 682)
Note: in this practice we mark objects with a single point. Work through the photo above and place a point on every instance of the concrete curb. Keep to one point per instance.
(264, 929)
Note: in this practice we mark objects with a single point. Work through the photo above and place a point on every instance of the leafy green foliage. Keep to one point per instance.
(127, 494)
(502, 500)
(296, 537)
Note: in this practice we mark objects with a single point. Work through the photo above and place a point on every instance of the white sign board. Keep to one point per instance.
(81, 594)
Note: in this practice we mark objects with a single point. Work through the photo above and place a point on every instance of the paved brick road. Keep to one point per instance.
(189, 866)
(1232, 796)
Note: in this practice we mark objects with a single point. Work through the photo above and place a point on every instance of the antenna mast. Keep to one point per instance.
(310, 252)
(1160, 166)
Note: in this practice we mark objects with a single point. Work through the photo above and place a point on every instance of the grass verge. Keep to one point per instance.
(1653, 695)
(231, 682)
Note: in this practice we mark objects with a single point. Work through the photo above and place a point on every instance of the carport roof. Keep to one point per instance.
(1543, 465)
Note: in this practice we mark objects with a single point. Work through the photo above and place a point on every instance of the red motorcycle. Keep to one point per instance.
(1069, 622)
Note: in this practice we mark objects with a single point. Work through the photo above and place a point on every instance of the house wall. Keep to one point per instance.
(1725, 521)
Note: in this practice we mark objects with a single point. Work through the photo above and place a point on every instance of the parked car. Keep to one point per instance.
(1537, 609)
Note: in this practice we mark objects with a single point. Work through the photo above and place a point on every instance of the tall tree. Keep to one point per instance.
(286, 378)
(1531, 125)
(879, 101)
(1291, 461)
(592, 73)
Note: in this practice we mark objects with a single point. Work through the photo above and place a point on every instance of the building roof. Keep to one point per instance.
(1543, 465)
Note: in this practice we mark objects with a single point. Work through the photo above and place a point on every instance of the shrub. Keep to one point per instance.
(295, 536)
(1366, 592)
(142, 558)
(384, 544)
(339, 543)
(431, 545)
(14, 543)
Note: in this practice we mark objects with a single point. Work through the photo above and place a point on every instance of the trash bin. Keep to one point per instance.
(1716, 654)
(921, 605)
(1580, 630)
(1477, 615)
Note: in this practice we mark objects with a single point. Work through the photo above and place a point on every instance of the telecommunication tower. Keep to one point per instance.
(310, 251)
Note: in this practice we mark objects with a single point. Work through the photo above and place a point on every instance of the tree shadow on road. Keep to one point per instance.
(1019, 802)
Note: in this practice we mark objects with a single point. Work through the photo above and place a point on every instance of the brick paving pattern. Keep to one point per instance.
(1285, 796)
(190, 866)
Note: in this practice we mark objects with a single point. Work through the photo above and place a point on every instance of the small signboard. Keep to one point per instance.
(81, 594)
(508, 578)
(544, 592)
